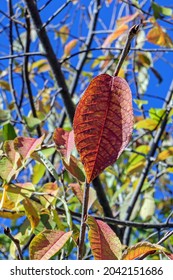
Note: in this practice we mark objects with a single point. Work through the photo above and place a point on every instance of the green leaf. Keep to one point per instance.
(32, 122)
(4, 116)
(137, 160)
(7, 169)
(9, 132)
(148, 206)
(47, 243)
(160, 10)
(125, 206)
(149, 124)
(38, 172)
(26, 189)
(156, 114)
(140, 102)
(50, 191)
(74, 168)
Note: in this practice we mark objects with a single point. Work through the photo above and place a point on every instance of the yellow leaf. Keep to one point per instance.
(42, 65)
(137, 160)
(157, 35)
(148, 124)
(31, 213)
(165, 154)
(4, 85)
(63, 33)
(8, 207)
(119, 31)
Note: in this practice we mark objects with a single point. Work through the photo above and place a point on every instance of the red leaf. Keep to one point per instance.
(170, 256)
(103, 123)
(64, 141)
(25, 146)
(105, 245)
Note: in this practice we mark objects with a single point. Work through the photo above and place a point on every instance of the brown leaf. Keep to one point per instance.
(103, 123)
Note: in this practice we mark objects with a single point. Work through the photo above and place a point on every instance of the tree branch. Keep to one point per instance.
(151, 154)
(51, 57)
(25, 71)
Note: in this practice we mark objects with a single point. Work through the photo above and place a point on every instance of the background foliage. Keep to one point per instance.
(48, 56)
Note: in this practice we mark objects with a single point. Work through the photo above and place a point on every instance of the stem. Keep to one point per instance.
(83, 223)
(16, 242)
(132, 33)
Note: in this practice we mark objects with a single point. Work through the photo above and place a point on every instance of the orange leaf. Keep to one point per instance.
(119, 31)
(126, 19)
(64, 141)
(47, 243)
(25, 146)
(105, 245)
(103, 123)
(140, 249)
(69, 46)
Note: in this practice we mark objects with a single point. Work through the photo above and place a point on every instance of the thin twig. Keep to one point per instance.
(11, 80)
(83, 221)
(7, 232)
(56, 13)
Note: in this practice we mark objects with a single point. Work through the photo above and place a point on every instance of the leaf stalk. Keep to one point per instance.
(83, 221)
(132, 33)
